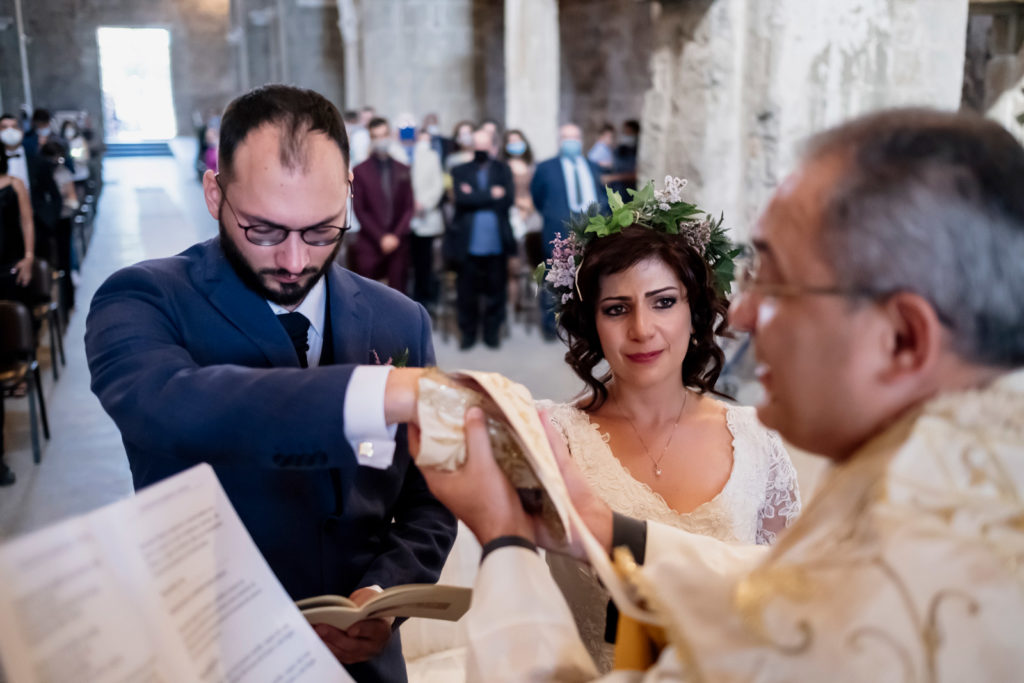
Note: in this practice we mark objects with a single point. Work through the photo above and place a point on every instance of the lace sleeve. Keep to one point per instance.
(781, 497)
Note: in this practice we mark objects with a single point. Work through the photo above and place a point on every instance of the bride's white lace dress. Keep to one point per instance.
(759, 499)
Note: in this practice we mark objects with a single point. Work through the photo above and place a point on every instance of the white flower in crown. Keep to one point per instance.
(671, 193)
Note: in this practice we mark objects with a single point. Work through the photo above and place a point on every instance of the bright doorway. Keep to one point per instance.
(135, 72)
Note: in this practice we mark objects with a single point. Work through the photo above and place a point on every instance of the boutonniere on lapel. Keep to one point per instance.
(399, 362)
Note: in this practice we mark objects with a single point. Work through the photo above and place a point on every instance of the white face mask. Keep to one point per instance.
(10, 137)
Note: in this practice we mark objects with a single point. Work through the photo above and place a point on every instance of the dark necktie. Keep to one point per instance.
(579, 184)
(297, 327)
(388, 190)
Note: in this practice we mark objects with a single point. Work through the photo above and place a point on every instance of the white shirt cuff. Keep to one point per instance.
(371, 438)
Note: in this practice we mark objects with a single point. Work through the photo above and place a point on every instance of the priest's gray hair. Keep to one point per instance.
(933, 203)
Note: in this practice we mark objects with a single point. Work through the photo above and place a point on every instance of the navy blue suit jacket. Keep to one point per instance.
(551, 197)
(194, 367)
(480, 199)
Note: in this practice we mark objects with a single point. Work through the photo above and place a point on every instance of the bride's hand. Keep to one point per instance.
(595, 512)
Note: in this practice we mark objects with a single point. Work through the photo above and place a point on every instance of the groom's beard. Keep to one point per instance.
(290, 293)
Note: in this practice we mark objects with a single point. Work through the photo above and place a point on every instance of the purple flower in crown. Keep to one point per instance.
(561, 267)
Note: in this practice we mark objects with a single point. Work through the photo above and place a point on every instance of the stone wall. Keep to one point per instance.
(605, 61)
(738, 84)
(443, 56)
(291, 41)
(994, 75)
(63, 54)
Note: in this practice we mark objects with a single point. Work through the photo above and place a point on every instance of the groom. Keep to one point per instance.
(884, 302)
(201, 357)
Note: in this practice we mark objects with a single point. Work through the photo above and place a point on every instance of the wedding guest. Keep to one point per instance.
(516, 152)
(17, 252)
(382, 199)
(462, 151)
(483, 241)
(427, 223)
(565, 185)
(523, 217)
(601, 152)
(888, 341)
(438, 142)
(17, 236)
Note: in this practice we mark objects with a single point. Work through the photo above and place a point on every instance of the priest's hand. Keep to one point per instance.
(595, 512)
(362, 640)
(478, 492)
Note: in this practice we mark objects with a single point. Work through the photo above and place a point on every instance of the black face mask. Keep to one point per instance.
(480, 156)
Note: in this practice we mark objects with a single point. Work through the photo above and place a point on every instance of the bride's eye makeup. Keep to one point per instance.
(665, 302)
(613, 310)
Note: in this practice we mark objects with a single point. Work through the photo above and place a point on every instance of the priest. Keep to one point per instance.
(883, 296)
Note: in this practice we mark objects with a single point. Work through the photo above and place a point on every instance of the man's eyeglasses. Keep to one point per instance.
(748, 271)
(271, 235)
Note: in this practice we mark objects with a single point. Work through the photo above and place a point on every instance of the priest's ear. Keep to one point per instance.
(213, 194)
(915, 337)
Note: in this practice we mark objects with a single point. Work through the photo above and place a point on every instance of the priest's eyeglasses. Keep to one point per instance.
(748, 270)
(269, 235)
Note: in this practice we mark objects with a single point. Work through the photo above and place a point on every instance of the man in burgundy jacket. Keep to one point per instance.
(383, 201)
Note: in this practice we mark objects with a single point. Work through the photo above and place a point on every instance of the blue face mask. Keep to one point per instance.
(571, 148)
(515, 147)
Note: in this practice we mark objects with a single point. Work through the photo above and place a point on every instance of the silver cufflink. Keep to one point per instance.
(365, 449)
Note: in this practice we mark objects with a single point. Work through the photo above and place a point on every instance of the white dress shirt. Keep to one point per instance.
(17, 165)
(578, 204)
(371, 438)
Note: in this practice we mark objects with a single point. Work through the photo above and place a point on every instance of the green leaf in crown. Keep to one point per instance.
(662, 210)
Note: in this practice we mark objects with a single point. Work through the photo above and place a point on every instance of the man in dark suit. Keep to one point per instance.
(562, 186)
(482, 241)
(383, 201)
(190, 360)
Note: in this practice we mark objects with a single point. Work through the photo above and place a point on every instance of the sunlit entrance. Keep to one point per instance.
(135, 71)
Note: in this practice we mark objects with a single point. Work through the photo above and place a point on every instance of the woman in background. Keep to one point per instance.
(427, 223)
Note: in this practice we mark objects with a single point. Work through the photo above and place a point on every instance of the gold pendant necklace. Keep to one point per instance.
(657, 463)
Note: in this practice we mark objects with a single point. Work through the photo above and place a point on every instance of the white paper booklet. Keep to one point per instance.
(424, 600)
(163, 586)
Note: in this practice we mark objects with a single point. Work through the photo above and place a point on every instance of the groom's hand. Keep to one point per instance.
(478, 492)
(401, 394)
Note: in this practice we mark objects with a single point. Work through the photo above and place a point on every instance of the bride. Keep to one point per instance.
(647, 435)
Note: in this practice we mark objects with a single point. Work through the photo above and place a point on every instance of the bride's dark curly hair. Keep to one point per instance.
(577, 324)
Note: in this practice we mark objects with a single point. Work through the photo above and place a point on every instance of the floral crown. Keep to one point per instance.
(663, 210)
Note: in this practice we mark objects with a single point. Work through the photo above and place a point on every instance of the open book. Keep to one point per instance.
(424, 600)
(164, 586)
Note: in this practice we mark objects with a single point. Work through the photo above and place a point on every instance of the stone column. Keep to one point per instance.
(738, 84)
(419, 56)
(532, 71)
(1004, 73)
(348, 25)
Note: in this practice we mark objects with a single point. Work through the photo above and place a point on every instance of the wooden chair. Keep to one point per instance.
(446, 318)
(18, 366)
(527, 307)
(46, 309)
